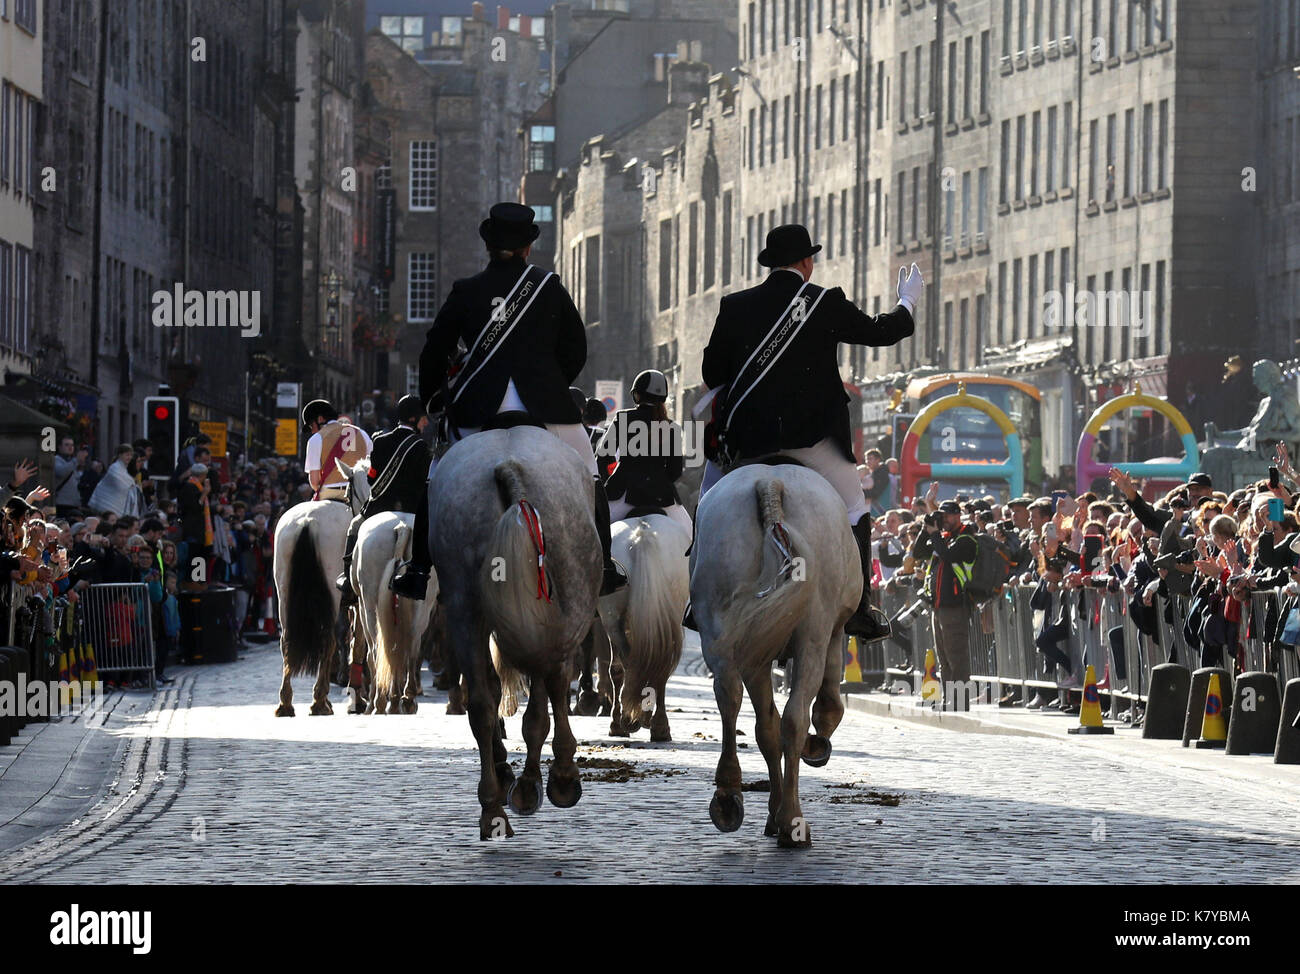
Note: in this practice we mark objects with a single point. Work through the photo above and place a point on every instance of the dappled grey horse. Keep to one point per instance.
(517, 556)
(775, 574)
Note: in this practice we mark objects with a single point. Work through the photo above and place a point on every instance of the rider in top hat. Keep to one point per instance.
(399, 473)
(774, 347)
(526, 345)
(331, 440)
(648, 447)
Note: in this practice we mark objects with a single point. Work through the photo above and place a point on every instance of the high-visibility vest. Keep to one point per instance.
(962, 569)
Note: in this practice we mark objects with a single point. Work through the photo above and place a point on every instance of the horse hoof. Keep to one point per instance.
(816, 750)
(322, 708)
(494, 825)
(661, 736)
(525, 795)
(563, 790)
(455, 708)
(409, 706)
(505, 775)
(727, 810)
(618, 730)
(799, 837)
(588, 704)
(770, 829)
(284, 710)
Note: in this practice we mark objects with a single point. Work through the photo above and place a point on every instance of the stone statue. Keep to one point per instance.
(1276, 420)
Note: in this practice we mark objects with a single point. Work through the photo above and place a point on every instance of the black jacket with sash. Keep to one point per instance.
(401, 488)
(543, 354)
(802, 399)
(649, 455)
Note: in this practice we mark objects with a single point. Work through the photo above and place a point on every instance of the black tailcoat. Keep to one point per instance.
(802, 400)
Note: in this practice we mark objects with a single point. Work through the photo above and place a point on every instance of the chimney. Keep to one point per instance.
(687, 82)
(477, 11)
(503, 17)
(525, 25)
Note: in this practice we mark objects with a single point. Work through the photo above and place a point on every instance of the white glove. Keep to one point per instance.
(910, 288)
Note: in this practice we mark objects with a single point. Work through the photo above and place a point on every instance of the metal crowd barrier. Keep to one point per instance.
(1003, 653)
(119, 626)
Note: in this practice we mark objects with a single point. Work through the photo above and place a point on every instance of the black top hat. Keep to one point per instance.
(786, 245)
(509, 226)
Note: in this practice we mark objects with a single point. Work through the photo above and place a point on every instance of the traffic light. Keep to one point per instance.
(162, 428)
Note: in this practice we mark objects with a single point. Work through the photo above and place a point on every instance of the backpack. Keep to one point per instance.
(994, 562)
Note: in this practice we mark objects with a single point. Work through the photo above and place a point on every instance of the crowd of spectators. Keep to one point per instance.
(1212, 547)
(174, 531)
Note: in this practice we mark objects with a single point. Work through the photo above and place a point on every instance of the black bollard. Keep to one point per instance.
(1256, 710)
(1167, 702)
(1287, 748)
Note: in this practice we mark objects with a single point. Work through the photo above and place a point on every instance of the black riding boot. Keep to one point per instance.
(413, 581)
(615, 578)
(344, 582)
(863, 623)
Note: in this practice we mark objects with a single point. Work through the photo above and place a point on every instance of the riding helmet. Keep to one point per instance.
(650, 386)
(318, 409)
(410, 409)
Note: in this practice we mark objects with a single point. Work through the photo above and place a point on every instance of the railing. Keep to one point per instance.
(118, 625)
(1003, 653)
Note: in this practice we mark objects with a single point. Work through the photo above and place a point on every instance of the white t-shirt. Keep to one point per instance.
(314, 443)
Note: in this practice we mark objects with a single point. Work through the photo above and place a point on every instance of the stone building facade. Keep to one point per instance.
(454, 117)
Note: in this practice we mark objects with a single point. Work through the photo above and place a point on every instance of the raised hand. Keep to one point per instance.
(24, 470)
(910, 288)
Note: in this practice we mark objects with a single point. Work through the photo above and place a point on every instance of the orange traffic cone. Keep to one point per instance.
(1090, 709)
(1214, 729)
(931, 688)
(852, 668)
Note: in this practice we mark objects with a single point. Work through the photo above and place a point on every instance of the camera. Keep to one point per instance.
(909, 615)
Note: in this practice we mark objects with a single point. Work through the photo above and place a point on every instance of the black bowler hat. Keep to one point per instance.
(509, 226)
(787, 245)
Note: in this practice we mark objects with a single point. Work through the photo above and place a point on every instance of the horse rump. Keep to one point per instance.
(308, 627)
(762, 615)
(653, 618)
(518, 603)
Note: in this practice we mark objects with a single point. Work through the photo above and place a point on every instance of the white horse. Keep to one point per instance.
(309, 540)
(393, 627)
(644, 620)
(774, 574)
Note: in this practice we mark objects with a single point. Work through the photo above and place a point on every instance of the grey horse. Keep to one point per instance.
(775, 574)
(482, 501)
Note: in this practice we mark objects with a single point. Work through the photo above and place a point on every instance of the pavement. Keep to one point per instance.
(205, 785)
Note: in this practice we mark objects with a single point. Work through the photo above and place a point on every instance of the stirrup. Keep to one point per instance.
(868, 625)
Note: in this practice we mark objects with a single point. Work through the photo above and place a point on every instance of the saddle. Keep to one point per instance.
(510, 419)
(771, 460)
(644, 511)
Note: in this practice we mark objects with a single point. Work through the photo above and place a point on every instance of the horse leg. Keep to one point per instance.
(505, 773)
(808, 667)
(412, 687)
(618, 723)
(357, 665)
(605, 688)
(767, 728)
(588, 704)
(659, 730)
(525, 795)
(456, 696)
(320, 703)
(727, 809)
(563, 784)
(484, 697)
(828, 707)
(286, 694)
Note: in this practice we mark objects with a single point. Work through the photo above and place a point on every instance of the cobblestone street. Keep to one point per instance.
(213, 788)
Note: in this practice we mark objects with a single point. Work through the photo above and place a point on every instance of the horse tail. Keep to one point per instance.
(387, 623)
(308, 628)
(761, 623)
(653, 629)
(514, 687)
(517, 599)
